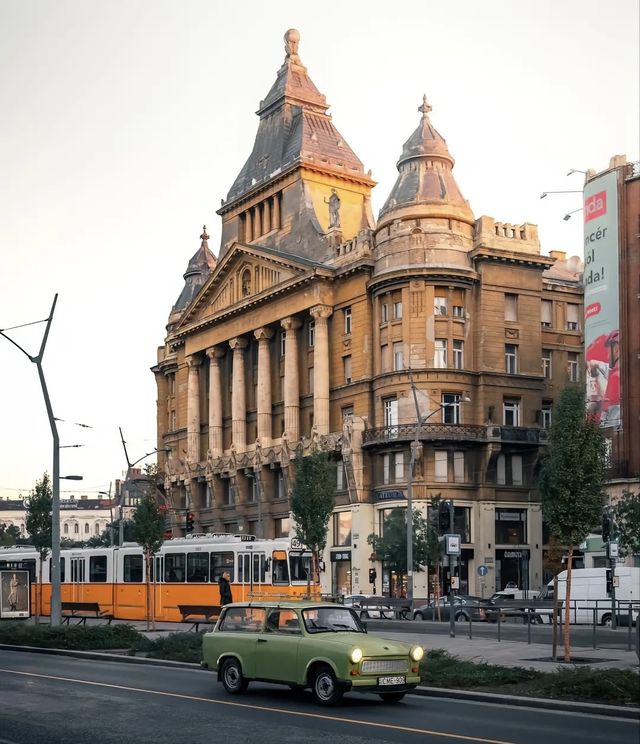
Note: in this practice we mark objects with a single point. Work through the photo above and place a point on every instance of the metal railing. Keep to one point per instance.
(428, 431)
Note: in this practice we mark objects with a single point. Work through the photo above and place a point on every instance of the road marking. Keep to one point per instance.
(302, 714)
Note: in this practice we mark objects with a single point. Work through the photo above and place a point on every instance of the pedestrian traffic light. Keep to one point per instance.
(445, 517)
(373, 575)
(609, 581)
(189, 522)
(607, 527)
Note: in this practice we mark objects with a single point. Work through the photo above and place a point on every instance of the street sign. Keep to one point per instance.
(482, 570)
(452, 544)
(613, 549)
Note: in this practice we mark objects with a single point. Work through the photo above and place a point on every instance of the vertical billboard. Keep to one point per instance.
(14, 594)
(601, 305)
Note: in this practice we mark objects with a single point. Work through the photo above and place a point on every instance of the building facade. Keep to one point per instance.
(320, 328)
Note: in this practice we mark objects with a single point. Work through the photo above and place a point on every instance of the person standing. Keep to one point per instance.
(225, 589)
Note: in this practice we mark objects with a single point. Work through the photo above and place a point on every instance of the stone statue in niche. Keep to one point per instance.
(334, 209)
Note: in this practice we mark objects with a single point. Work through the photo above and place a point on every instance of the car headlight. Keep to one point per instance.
(417, 652)
(356, 655)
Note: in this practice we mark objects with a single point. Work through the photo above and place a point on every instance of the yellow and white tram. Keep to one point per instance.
(185, 571)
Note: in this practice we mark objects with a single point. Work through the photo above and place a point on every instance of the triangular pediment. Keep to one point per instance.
(247, 274)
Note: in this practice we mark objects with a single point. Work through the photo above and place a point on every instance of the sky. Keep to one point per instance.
(124, 123)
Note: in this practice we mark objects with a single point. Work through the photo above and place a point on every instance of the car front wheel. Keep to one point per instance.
(392, 697)
(232, 678)
(418, 616)
(325, 687)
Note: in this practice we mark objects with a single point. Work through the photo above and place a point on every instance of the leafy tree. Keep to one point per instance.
(626, 516)
(312, 502)
(571, 481)
(38, 526)
(148, 529)
(9, 535)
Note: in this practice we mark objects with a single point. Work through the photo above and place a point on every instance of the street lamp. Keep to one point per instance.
(546, 193)
(420, 420)
(568, 214)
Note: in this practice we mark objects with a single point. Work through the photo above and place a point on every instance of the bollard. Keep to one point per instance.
(499, 622)
(595, 618)
(630, 620)
(638, 637)
(470, 627)
(528, 617)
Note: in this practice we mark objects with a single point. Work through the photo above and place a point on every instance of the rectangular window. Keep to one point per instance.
(197, 567)
(545, 414)
(458, 311)
(573, 317)
(547, 359)
(342, 528)
(398, 362)
(132, 569)
(282, 526)
(174, 565)
(392, 467)
(511, 526)
(511, 308)
(384, 313)
(511, 412)
(573, 367)
(98, 568)
(440, 353)
(280, 485)
(462, 522)
(229, 492)
(516, 470)
(458, 467)
(511, 359)
(390, 406)
(440, 306)
(173, 424)
(458, 354)
(312, 334)
(221, 562)
(399, 466)
(450, 403)
(397, 310)
(340, 476)
(384, 357)
(346, 366)
(546, 314)
(172, 384)
(441, 464)
(310, 377)
(346, 314)
(283, 339)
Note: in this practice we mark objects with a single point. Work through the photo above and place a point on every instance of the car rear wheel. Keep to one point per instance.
(461, 616)
(392, 697)
(418, 616)
(325, 687)
(606, 621)
(232, 678)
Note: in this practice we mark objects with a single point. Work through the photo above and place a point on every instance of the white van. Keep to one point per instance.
(589, 593)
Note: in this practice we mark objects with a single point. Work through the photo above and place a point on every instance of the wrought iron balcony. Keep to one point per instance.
(517, 434)
(428, 432)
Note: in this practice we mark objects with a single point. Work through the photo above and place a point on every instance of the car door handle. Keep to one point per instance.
(262, 640)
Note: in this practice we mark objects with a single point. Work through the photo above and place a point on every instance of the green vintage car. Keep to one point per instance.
(305, 644)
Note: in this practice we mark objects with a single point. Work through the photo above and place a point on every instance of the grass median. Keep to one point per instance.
(439, 669)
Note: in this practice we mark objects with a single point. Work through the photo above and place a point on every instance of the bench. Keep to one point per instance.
(389, 607)
(199, 615)
(82, 610)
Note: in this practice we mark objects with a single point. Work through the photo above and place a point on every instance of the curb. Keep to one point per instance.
(617, 711)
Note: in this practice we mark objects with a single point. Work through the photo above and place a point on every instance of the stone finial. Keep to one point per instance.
(291, 41)
(204, 235)
(425, 108)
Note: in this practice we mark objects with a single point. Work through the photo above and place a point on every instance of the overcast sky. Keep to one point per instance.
(123, 123)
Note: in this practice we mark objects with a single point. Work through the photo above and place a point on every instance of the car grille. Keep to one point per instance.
(383, 666)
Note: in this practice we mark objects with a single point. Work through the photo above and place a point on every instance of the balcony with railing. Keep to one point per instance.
(428, 432)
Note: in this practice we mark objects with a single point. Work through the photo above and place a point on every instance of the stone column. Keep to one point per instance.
(266, 216)
(291, 381)
(238, 398)
(257, 222)
(276, 212)
(193, 410)
(321, 314)
(264, 385)
(215, 354)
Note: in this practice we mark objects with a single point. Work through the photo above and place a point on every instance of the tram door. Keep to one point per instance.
(159, 597)
(77, 577)
(251, 575)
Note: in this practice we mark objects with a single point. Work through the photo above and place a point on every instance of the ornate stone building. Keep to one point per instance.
(313, 323)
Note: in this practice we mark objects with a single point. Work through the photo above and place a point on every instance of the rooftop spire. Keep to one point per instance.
(425, 108)
(198, 270)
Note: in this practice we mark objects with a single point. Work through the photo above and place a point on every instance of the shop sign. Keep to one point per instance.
(508, 516)
(515, 554)
(389, 495)
(344, 556)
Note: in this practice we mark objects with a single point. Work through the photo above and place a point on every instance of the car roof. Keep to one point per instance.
(287, 604)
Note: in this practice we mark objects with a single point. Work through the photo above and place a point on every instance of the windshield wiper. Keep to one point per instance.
(315, 626)
(342, 625)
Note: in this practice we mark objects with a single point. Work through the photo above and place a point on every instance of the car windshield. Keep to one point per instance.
(331, 620)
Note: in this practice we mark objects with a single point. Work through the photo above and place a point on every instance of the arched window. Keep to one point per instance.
(66, 528)
(246, 283)
(97, 529)
(76, 529)
(86, 529)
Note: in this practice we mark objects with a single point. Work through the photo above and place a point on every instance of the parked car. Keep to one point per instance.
(355, 600)
(305, 644)
(466, 607)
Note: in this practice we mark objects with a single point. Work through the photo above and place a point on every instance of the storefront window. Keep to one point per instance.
(341, 572)
(462, 522)
(511, 526)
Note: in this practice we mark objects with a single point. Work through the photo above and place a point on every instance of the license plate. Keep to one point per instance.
(389, 681)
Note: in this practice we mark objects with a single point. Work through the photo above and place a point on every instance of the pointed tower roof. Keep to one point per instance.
(425, 170)
(198, 270)
(294, 129)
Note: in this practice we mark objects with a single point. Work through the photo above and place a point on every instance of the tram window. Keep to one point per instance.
(30, 565)
(133, 568)
(61, 569)
(197, 567)
(258, 568)
(98, 568)
(174, 567)
(300, 567)
(279, 568)
(221, 562)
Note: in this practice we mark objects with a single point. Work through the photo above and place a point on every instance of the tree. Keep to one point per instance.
(312, 502)
(626, 517)
(391, 546)
(38, 526)
(9, 535)
(571, 481)
(148, 529)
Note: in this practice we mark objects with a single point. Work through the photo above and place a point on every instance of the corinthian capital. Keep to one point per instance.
(193, 361)
(264, 333)
(238, 343)
(290, 323)
(321, 312)
(215, 353)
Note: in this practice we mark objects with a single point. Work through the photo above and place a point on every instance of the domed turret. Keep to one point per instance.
(198, 271)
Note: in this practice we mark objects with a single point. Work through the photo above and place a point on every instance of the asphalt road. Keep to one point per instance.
(59, 700)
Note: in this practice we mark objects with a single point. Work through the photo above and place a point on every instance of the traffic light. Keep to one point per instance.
(445, 513)
(609, 581)
(189, 522)
(607, 527)
(373, 575)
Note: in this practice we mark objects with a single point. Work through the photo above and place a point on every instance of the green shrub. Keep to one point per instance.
(82, 637)
(177, 647)
(439, 669)
(621, 686)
